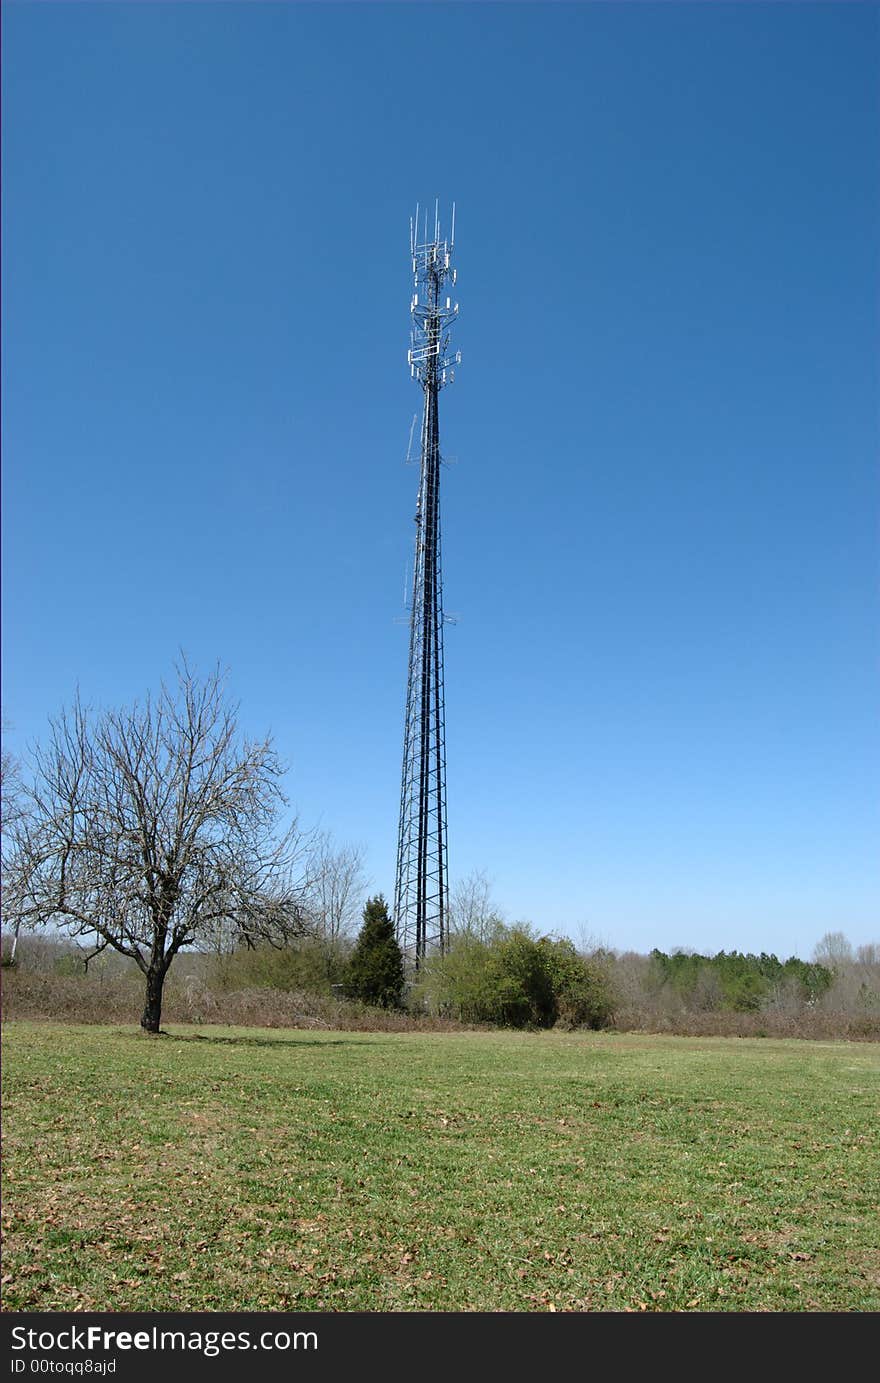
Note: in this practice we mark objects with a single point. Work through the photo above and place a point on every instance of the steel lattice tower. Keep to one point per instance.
(421, 887)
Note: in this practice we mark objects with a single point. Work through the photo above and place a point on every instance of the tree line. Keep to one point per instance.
(735, 981)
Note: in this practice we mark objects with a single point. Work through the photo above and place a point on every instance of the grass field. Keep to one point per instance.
(247, 1169)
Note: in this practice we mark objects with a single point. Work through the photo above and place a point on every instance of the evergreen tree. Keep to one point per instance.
(375, 971)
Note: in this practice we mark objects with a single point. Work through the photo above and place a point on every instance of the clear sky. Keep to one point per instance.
(661, 535)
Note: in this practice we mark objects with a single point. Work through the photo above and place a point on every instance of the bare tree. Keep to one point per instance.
(151, 825)
(833, 950)
(471, 909)
(331, 902)
(590, 943)
(337, 892)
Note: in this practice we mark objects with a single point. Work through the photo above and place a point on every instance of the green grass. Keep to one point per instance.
(239, 1169)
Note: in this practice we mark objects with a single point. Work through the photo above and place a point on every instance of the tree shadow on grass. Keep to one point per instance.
(286, 1041)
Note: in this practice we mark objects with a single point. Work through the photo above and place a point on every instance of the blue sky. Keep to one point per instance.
(661, 535)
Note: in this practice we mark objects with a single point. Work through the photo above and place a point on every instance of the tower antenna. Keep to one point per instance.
(421, 890)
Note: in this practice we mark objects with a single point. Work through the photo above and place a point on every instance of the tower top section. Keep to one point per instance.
(432, 309)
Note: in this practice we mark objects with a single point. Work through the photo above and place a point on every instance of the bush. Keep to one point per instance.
(460, 982)
(500, 981)
(581, 988)
(516, 980)
(311, 965)
(521, 962)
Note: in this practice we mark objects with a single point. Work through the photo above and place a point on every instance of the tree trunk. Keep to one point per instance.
(153, 1005)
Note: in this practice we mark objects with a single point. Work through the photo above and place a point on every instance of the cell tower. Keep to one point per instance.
(421, 888)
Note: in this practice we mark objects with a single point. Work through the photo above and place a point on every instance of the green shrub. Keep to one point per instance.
(516, 980)
(491, 981)
(465, 983)
(522, 961)
(581, 989)
(310, 965)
